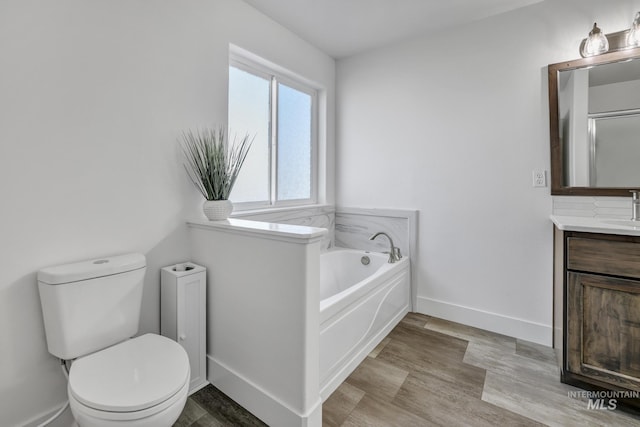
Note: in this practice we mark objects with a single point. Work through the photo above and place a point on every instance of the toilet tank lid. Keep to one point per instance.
(91, 269)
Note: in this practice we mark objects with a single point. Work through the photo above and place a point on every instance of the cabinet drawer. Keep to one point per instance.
(603, 256)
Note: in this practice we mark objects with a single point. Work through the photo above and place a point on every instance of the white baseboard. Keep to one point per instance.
(258, 401)
(494, 322)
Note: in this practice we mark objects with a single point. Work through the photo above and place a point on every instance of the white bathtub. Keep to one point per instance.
(359, 305)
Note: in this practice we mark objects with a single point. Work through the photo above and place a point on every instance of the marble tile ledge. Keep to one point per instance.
(268, 230)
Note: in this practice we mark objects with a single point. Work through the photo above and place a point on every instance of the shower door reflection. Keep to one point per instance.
(614, 144)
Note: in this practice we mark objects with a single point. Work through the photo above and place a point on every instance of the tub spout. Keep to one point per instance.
(394, 252)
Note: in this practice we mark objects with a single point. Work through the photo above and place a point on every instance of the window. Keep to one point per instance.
(281, 112)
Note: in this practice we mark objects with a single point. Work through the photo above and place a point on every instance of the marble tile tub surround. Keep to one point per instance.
(348, 227)
(354, 226)
(597, 207)
(321, 216)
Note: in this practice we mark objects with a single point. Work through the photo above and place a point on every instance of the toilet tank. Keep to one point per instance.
(91, 305)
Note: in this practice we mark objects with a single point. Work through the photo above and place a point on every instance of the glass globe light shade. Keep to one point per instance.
(596, 43)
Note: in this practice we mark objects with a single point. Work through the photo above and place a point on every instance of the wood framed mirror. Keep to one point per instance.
(594, 121)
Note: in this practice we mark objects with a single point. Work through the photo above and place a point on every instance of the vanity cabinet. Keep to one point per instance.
(600, 279)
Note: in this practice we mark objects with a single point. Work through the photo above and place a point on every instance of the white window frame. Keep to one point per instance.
(275, 75)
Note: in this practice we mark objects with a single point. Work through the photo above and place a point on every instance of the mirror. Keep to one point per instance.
(594, 107)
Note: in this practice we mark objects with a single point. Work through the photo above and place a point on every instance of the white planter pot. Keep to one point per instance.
(217, 210)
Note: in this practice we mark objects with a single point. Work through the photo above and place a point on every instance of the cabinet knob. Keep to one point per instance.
(183, 337)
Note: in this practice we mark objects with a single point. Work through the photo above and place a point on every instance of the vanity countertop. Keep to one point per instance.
(597, 225)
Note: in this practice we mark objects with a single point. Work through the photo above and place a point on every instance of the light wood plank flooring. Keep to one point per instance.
(431, 372)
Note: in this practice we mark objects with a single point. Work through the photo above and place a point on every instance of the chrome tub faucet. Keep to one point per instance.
(394, 252)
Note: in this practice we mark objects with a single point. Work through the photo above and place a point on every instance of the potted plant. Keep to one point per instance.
(213, 165)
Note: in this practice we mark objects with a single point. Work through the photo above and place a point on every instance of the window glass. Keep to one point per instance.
(279, 169)
(294, 144)
(249, 112)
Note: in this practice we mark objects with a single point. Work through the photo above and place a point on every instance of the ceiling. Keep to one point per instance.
(343, 28)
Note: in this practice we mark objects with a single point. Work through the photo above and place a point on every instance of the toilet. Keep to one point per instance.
(91, 310)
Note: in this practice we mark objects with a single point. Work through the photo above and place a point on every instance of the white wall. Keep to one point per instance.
(93, 95)
(453, 125)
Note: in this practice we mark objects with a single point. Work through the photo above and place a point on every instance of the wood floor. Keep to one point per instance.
(431, 372)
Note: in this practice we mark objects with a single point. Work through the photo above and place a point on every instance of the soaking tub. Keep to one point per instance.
(362, 297)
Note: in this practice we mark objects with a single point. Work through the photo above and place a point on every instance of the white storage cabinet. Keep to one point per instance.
(183, 315)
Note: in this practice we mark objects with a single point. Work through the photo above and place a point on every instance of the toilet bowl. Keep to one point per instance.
(91, 309)
(142, 382)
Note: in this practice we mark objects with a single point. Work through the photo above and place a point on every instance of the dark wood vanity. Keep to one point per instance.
(597, 311)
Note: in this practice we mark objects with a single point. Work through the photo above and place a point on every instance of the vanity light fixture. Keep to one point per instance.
(633, 38)
(595, 44)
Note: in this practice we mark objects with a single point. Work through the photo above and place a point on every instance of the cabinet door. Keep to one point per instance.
(191, 324)
(603, 324)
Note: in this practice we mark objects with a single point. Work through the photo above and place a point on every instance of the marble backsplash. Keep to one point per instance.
(595, 207)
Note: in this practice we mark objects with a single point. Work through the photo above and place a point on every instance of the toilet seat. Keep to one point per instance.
(154, 416)
(141, 376)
